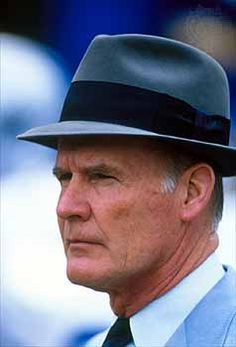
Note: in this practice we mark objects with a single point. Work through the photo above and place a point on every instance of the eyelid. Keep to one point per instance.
(100, 175)
(66, 177)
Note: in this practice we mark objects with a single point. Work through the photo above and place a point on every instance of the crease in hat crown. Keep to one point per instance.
(158, 64)
(151, 70)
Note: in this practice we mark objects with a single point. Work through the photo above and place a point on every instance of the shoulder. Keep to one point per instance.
(213, 320)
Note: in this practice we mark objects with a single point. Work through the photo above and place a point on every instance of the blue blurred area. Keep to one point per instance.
(81, 20)
(41, 308)
(74, 23)
(80, 338)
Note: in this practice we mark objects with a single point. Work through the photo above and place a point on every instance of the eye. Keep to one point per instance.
(64, 178)
(100, 176)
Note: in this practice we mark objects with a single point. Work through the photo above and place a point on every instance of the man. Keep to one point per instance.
(142, 147)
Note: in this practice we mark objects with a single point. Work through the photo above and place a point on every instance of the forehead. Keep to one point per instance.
(118, 149)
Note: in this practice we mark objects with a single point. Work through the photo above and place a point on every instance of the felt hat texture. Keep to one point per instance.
(147, 86)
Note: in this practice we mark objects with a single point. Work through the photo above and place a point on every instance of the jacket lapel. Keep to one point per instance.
(179, 338)
(209, 323)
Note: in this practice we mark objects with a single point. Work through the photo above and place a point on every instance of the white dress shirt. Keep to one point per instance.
(158, 321)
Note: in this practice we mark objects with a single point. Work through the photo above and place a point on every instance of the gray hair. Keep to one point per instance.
(177, 163)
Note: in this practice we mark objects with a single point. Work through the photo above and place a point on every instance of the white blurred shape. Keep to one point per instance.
(31, 78)
(33, 86)
(227, 227)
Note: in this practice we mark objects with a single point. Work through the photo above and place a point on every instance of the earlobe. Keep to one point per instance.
(198, 184)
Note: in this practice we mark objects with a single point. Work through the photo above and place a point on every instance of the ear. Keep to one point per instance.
(196, 190)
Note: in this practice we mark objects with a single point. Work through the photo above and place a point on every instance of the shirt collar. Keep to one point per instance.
(157, 322)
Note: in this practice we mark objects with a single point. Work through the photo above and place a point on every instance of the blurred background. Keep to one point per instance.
(42, 43)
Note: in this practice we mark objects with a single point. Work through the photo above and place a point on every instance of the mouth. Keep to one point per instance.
(81, 247)
(79, 243)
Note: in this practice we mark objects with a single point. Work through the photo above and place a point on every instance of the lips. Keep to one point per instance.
(81, 241)
(78, 247)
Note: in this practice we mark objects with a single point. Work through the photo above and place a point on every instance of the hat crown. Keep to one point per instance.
(158, 64)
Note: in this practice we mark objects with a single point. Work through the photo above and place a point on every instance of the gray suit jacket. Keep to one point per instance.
(213, 321)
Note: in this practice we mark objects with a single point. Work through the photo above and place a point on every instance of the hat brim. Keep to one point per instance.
(223, 156)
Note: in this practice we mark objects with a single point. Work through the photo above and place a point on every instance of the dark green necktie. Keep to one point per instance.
(119, 335)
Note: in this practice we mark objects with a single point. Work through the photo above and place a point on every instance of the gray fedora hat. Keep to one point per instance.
(148, 86)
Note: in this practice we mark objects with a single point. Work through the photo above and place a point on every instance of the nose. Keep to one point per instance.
(73, 203)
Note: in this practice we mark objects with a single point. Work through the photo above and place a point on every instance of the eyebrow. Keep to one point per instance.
(102, 167)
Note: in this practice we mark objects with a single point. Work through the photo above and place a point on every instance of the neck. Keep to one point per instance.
(139, 291)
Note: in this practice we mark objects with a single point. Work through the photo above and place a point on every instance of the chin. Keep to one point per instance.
(87, 276)
(88, 281)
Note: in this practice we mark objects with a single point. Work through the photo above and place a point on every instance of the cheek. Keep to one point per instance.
(153, 219)
(115, 219)
(161, 208)
(121, 211)
(123, 223)
(113, 206)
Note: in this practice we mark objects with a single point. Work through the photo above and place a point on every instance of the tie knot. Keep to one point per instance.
(119, 335)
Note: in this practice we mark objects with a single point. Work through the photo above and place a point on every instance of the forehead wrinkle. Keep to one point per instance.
(66, 160)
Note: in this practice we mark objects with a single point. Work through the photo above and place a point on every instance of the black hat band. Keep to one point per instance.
(144, 109)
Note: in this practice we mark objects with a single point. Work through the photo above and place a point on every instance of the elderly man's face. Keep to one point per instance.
(116, 222)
